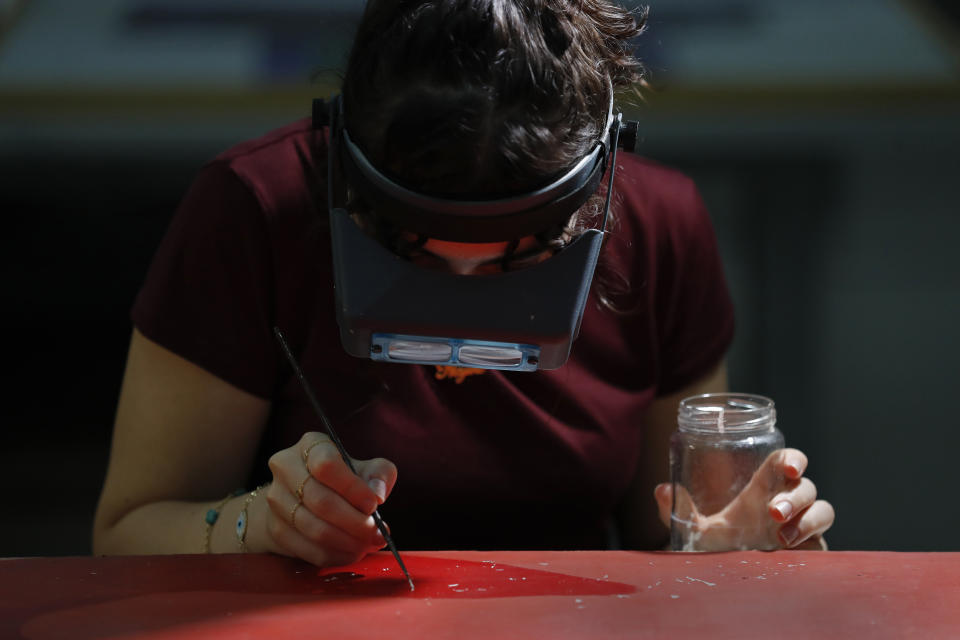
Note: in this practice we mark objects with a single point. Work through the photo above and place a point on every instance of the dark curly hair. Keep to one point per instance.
(479, 99)
(485, 98)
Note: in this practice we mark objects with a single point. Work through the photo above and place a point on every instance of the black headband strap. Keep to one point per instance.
(466, 220)
(451, 224)
(572, 181)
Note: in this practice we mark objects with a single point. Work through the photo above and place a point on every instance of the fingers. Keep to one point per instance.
(676, 507)
(380, 475)
(322, 502)
(778, 507)
(330, 530)
(782, 465)
(805, 518)
(663, 495)
(799, 495)
(330, 548)
(324, 462)
(319, 508)
(792, 463)
(810, 523)
(783, 468)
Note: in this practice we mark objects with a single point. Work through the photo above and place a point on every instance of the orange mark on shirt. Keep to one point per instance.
(457, 373)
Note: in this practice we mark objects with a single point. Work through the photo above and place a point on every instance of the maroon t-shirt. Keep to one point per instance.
(495, 460)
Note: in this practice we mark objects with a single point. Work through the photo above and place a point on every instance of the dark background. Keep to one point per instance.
(831, 176)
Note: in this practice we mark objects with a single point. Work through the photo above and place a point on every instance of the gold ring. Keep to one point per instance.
(300, 488)
(306, 452)
(293, 514)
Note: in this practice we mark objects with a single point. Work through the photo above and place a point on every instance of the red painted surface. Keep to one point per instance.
(440, 577)
(467, 595)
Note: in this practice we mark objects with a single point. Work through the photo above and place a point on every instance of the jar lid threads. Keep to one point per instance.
(726, 412)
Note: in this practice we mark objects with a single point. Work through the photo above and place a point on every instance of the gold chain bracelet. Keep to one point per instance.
(243, 517)
(213, 514)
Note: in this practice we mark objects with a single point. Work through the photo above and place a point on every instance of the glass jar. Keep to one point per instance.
(720, 442)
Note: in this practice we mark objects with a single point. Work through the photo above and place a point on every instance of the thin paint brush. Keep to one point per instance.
(336, 440)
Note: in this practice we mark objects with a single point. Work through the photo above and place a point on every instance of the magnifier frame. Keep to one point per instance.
(383, 299)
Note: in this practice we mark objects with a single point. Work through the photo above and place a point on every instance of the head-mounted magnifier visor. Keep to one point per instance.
(391, 309)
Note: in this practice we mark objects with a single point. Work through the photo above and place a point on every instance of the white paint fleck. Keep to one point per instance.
(578, 600)
(455, 584)
(544, 564)
(709, 584)
(674, 596)
(624, 595)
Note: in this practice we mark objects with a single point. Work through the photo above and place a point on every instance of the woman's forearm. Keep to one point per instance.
(174, 527)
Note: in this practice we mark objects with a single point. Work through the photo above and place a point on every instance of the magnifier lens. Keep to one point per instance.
(415, 350)
(389, 347)
(486, 356)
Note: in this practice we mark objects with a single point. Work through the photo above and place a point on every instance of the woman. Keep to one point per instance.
(456, 99)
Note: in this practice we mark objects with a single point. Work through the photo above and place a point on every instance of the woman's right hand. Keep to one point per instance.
(320, 511)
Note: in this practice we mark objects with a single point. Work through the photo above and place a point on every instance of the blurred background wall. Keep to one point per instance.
(824, 137)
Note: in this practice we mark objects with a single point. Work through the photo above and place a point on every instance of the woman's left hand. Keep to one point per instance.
(778, 508)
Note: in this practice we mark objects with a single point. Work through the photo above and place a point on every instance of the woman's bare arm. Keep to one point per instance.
(640, 524)
(183, 440)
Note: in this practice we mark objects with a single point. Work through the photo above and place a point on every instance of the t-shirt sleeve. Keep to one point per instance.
(696, 316)
(208, 295)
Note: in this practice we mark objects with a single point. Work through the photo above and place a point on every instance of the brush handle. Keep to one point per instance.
(337, 442)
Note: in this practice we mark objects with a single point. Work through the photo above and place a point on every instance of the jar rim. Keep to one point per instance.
(726, 412)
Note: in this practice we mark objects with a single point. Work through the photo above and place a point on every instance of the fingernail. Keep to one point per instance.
(789, 535)
(793, 471)
(377, 538)
(379, 487)
(784, 508)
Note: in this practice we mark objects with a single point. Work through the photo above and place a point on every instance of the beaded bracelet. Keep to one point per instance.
(211, 517)
(242, 519)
